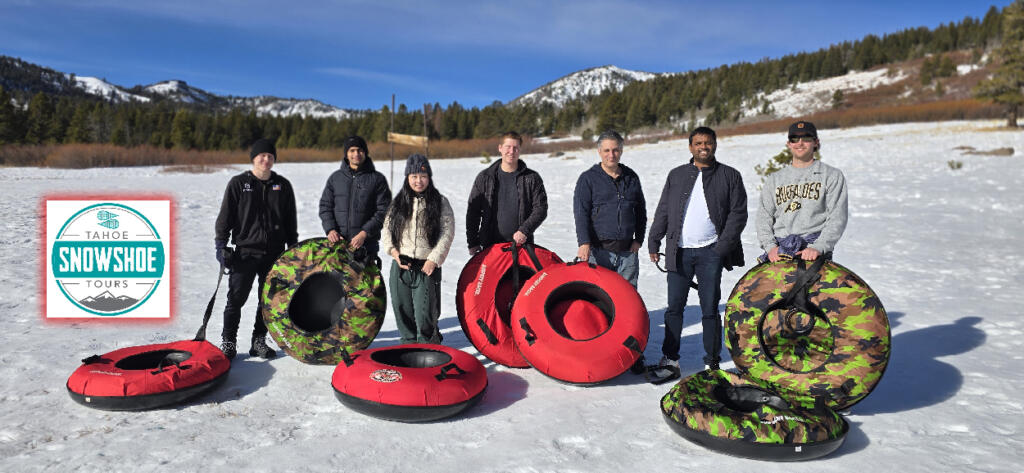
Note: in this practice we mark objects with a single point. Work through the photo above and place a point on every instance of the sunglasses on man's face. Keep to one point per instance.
(805, 139)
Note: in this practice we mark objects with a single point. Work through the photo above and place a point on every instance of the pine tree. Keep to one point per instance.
(613, 113)
(1006, 86)
(78, 127)
(182, 129)
(39, 111)
(8, 119)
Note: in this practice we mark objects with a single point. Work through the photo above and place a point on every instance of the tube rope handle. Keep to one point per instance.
(201, 334)
(163, 366)
(447, 369)
(530, 336)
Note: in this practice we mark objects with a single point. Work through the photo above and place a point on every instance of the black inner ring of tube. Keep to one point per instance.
(151, 359)
(771, 350)
(411, 357)
(747, 398)
(799, 322)
(311, 306)
(504, 308)
(580, 290)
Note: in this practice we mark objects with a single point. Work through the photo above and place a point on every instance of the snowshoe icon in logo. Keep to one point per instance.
(107, 219)
(107, 259)
(386, 376)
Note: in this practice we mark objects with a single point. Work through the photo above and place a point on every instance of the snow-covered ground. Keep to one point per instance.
(940, 247)
(805, 98)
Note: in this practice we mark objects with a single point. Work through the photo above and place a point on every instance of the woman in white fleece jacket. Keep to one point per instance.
(417, 234)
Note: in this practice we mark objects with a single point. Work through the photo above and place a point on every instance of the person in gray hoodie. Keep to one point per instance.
(803, 208)
(355, 199)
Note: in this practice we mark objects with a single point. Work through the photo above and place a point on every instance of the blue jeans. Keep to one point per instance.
(706, 265)
(626, 263)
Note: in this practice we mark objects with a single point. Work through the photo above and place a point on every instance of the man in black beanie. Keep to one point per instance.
(355, 200)
(258, 214)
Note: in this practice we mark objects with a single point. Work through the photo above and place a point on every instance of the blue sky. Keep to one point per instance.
(355, 54)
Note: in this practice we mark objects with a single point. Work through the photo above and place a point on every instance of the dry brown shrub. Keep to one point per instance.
(23, 155)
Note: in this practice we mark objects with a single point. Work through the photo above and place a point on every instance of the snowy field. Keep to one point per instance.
(942, 249)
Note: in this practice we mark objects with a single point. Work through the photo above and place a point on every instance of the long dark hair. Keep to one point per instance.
(401, 211)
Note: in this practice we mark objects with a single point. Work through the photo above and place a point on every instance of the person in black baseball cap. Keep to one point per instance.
(803, 130)
(803, 209)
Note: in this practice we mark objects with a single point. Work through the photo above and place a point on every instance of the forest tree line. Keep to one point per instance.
(670, 101)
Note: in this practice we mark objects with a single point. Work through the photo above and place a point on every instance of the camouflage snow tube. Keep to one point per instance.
(834, 347)
(724, 412)
(320, 299)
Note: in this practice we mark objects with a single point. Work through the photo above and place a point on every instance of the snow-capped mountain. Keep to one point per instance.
(105, 295)
(591, 81)
(267, 105)
(179, 91)
(31, 78)
(102, 88)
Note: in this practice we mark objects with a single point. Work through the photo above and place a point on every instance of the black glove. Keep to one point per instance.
(221, 247)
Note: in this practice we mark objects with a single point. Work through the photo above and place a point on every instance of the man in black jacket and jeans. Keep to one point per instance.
(507, 202)
(702, 211)
(258, 214)
(355, 200)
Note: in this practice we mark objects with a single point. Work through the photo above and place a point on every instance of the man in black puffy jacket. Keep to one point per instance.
(508, 201)
(355, 200)
(258, 215)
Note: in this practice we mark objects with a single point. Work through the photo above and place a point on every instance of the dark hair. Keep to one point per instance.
(610, 135)
(400, 212)
(513, 135)
(703, 130)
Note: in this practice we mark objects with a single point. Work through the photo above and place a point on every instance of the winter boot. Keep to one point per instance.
(260, 348)
(229, 349)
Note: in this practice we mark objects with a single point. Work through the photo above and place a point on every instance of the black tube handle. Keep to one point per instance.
(446, 371)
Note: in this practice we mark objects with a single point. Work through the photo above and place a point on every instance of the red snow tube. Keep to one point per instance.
(410, 383)
(148, 376)
(580, 323)
(485, 293)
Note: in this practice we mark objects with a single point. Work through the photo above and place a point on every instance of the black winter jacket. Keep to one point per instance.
(609, 209)
(258, 215)
(481, 228)
(355, 201)
(727, 206)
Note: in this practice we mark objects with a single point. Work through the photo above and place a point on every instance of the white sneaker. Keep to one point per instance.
(666, 361)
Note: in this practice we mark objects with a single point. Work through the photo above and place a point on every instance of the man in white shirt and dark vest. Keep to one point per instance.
(701, 213)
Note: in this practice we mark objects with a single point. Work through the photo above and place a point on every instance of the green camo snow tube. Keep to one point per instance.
(817, 331)
(321, 301)
(725, 412)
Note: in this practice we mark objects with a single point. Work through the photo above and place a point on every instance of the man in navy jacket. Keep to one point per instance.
(701, 213)
(610, 211)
